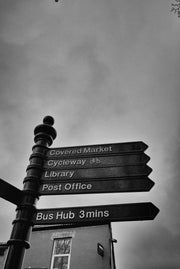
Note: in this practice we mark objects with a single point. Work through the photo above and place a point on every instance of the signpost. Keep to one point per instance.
(22, 225)
(95, 186)
(118, 167)
(96, 214)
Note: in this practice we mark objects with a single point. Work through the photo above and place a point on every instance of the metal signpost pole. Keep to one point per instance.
(22, 225)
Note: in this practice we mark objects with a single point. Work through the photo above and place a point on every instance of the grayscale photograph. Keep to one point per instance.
(89, 134)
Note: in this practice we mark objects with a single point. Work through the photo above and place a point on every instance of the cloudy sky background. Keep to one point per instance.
(108, 72)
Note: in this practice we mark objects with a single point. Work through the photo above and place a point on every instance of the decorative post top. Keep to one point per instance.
(48, 120)
(45, 131)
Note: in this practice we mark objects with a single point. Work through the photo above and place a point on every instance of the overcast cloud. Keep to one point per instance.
(107, 71)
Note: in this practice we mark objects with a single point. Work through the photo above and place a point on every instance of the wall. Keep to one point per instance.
(83, 250)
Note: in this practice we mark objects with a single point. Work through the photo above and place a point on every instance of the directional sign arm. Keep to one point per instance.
(96, 214)
(99, 150)
(10, 193)
(95, 186)
(110, 172)
(96, 161)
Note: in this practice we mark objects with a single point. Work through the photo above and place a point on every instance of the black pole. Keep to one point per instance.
(22, 225)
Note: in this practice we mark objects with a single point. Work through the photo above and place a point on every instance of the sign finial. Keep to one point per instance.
(48, 120)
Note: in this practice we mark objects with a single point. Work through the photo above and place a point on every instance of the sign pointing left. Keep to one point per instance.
(10, 193)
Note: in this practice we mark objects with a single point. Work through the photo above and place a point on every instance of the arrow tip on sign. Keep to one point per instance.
(146, 158)
(145, 146)
(151, 184)
(149, 169)
(153, 210)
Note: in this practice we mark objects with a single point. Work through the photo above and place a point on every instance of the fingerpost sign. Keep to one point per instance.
(103, 168)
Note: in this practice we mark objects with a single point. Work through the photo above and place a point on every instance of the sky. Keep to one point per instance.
(108, 72)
